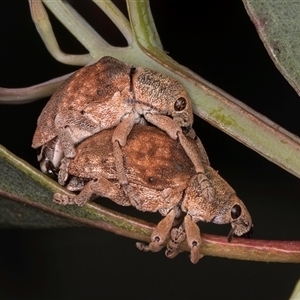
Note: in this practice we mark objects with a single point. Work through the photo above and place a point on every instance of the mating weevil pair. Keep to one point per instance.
(94, 117)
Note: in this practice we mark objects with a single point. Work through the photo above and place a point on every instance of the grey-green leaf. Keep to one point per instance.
(26, 201)
(278, 25)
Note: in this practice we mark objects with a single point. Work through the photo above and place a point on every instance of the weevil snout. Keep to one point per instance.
(248, 234)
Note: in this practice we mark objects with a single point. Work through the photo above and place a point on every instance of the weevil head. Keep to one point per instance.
(222, 208)
(159, 94)
(236, 213)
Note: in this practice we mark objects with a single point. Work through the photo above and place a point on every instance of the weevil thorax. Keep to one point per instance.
(159, 94)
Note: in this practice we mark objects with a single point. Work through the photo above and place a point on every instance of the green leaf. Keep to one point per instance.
(296, 293)
(278, 25)
(26, 201)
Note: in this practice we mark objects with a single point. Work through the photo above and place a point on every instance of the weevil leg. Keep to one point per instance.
(80, 199)
(193, 238)
(198, 146)
(195, 155)
(145, 247)
(62, 199)
(72, 128)
(160, 233)
(66, 140)
(100, 187)
(164, 123)
(178, 235)
(194, 152)
(162, 230)
(119, 139)
(63, 171)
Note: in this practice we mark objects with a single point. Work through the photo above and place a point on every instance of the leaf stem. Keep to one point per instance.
(78, 26)
(43, 26)
(143, 25)
(117, 17)
(32, 93)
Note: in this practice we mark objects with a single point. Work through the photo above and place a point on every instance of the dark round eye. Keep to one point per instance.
(236, 211)
(180, 104)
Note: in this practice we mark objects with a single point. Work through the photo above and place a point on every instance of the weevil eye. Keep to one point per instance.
(180, 104)
(235, 211)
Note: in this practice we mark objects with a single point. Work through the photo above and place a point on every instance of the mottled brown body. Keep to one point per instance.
(155, 171)
(163, 176)
(90, 99)
(112, 94)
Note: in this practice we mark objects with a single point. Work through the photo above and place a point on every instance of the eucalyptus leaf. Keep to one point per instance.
(26, 201)
(278, 25)
(296, 293)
